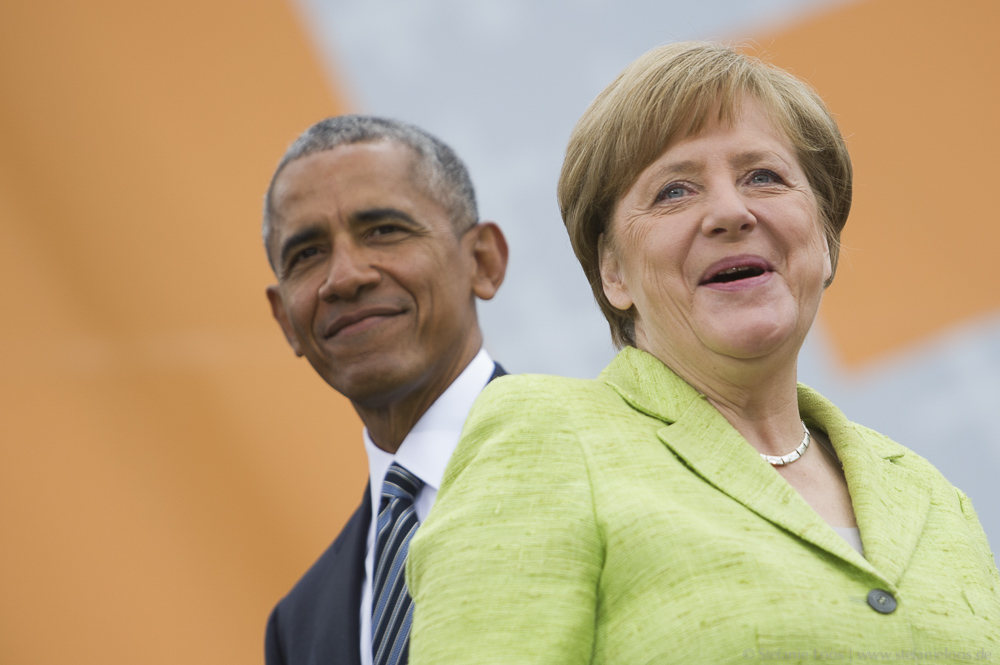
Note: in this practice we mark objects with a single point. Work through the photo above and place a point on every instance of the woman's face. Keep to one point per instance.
(718, 245)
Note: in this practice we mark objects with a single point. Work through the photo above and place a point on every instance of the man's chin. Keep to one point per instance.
(376, 384)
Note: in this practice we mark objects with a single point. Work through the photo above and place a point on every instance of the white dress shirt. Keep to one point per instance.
(425, 453)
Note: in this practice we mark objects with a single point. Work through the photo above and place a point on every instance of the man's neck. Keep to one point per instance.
(389, 424)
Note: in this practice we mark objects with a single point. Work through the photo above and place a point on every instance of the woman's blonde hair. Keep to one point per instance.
(669, 94)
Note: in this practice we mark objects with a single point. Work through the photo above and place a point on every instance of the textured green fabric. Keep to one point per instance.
(623, 520)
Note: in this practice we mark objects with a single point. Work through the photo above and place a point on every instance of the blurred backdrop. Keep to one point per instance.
(168, 468)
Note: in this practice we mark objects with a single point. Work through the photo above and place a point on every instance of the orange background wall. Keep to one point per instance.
(166, 468)
(915, 88)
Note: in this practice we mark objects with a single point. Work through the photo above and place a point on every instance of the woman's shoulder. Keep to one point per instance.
(523, 430)
(522, 394)
(852, 438)
(537, 416)
(542, 382)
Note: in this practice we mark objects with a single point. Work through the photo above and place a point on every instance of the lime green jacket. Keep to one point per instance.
(623, 520)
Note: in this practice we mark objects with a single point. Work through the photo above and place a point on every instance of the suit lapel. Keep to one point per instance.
(337, 642)
(697, 433)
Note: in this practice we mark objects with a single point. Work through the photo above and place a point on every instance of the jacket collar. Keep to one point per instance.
(890, 502)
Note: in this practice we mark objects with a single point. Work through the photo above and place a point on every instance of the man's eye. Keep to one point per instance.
(303, 254)
(384, 229)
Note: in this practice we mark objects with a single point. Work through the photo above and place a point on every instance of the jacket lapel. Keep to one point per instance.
(699, 435)
(891, 503)
(891, 506)
(706, 441)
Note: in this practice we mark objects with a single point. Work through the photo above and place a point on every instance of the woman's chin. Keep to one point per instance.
(752, 340)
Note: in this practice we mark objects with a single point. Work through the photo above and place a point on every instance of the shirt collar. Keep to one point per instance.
(428, 446)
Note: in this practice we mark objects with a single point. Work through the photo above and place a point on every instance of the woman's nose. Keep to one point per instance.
(727, 213)
(350, 272)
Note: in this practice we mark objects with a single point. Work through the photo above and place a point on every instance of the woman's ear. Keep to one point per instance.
(828, 265)
(612, 278)
(489, 249)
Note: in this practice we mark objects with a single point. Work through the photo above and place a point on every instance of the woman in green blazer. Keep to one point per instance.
(694, 504)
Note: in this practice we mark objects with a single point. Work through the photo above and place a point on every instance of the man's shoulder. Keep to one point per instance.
(498, 371)
(320, 613)
(348, 545)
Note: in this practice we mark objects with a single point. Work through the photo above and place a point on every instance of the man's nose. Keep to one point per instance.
(350, 272)
(727, 213)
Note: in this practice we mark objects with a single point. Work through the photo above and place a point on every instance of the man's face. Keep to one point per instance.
(375, 286)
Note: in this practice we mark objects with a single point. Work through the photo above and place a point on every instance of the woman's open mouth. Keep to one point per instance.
(737, 271)
(734, 274)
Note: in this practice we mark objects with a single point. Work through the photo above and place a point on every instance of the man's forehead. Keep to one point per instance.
(353, 171)
(348, 182)
(360, 156)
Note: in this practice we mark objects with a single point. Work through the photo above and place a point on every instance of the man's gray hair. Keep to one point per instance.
(447, 179)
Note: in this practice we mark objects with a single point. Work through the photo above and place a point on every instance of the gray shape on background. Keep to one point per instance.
(503, 82)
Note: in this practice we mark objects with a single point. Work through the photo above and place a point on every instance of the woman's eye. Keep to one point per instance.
(763, 178)
(673, 192)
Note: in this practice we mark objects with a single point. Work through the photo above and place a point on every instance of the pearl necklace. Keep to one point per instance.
(792, 456)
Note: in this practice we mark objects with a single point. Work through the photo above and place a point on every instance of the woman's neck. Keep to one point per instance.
(758, 397)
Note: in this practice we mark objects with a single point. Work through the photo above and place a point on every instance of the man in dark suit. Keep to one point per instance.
(371, 228)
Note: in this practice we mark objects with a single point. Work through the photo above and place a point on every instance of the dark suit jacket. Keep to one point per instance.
(318, 622)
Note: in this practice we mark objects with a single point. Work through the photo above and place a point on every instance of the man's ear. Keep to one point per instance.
(612, 280)
(489, 249)
(281, 316)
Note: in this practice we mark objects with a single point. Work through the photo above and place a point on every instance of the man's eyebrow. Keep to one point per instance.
(298, 238)
(379, 214)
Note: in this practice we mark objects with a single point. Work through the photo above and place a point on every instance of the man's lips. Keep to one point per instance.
(358, 316)
(735, 268)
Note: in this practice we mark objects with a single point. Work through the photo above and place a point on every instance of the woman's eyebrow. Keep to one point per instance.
(681, 169)
(745, 159)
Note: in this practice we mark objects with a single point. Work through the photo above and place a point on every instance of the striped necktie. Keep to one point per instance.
(392, 609)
